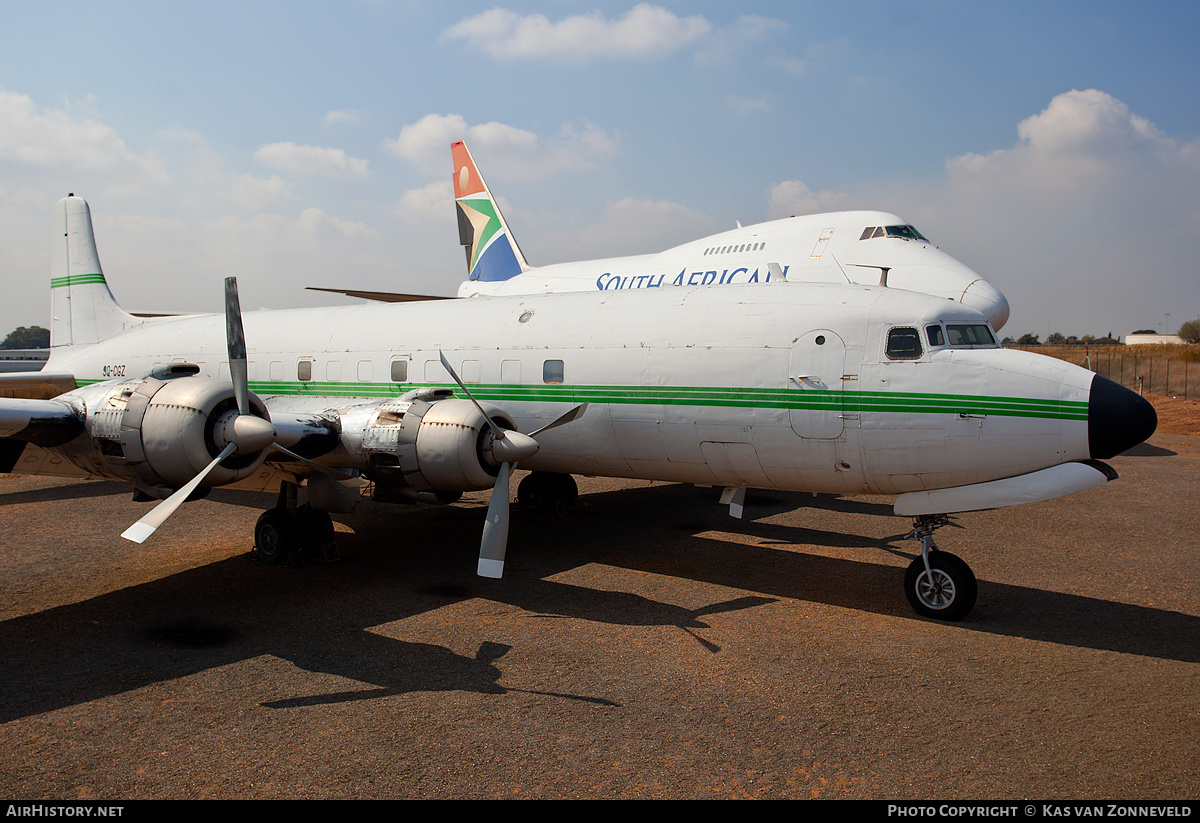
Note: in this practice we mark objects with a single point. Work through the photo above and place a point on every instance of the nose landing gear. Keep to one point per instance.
(938, 584)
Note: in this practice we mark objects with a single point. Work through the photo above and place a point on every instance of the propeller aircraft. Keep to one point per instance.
(790, 385)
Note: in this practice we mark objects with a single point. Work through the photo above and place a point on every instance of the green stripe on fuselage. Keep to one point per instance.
(763, 398)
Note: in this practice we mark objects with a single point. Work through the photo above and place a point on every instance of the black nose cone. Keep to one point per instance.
(1118, 419)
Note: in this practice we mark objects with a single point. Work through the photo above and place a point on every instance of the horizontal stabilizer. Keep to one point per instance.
(383, 296)
(1034, 487)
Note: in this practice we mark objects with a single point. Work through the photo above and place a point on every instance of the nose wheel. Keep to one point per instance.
(938, 584)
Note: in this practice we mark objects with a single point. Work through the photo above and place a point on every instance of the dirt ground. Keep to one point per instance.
(1177, 415)
(646, 646)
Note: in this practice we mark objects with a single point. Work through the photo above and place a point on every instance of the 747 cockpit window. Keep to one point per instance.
(973, 335)
(904, 232)
(903, 344)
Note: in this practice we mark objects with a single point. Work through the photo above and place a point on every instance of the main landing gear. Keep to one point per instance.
(545, 492)
(938, 584)
(289, 534)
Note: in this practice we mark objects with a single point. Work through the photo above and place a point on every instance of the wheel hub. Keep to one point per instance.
(936, 590)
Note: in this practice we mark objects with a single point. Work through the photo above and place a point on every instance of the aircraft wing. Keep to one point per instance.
(34, 383)
(30, 424)
(383, 296)
(46, 422)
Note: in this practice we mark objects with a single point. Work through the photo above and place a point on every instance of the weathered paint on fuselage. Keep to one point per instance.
(727, 386)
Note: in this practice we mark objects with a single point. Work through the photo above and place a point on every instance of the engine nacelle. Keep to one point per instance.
(162, 433)
(438, 445)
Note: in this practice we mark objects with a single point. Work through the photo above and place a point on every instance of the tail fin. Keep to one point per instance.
(492, 253)
(82, 309)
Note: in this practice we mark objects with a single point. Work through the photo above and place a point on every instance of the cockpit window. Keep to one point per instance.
(903, 344)
(933, 334)
(970, 336)
(903, 232)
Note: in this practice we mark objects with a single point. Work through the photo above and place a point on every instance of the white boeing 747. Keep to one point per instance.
(853, 247)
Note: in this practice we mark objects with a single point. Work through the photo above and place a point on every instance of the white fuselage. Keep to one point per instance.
(821, 248)
(784, 386)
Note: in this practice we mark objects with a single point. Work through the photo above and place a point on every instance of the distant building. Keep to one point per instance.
(1142, 339)
(23, 359)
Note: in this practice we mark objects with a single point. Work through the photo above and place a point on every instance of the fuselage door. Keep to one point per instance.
(815, 384)
(822, 242)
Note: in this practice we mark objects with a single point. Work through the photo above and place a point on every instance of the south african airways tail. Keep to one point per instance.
(492, 252)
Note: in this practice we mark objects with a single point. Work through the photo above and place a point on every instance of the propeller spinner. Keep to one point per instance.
(242, 431)
(505, 448)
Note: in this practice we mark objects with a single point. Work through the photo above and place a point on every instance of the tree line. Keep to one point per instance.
(1189, 332)
(33, 337)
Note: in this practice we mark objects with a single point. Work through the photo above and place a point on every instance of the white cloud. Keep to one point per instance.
(646, 31)
(626, 226)
(255, 193)
(311, 160)
(58, 139)
(1088, 223)
(431, 204)
(792, 197)
(316, 224)
(746, 106)
(342, 116)
(511, 152)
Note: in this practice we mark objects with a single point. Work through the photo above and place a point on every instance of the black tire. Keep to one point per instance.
(276, 537)
(544, 492)
(949, 595)
(566, 491)
(314, 530)
(532, 494)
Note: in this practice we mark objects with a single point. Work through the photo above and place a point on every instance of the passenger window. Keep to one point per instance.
(552, 371)
(933, 334)
(903, 344)
(510, 371)
(399, 371)
(304, 370)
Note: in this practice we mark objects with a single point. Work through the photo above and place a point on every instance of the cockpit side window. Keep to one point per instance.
(970, 335)
(904, 344)
(934, 336)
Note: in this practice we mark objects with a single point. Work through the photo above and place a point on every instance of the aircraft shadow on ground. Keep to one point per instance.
(409, 561)
(66, 491)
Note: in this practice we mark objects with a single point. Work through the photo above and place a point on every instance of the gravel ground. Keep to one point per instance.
(647, 646)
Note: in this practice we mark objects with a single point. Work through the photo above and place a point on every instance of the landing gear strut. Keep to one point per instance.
(544, 492)
(288, 534)
(938, 584)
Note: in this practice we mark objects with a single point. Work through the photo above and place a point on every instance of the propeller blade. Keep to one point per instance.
(496, 430)
(573, 414)
(145, 527)
(495, 530)
(235, 340)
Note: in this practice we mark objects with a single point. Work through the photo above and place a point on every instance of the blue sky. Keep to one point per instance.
(1053, 147)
